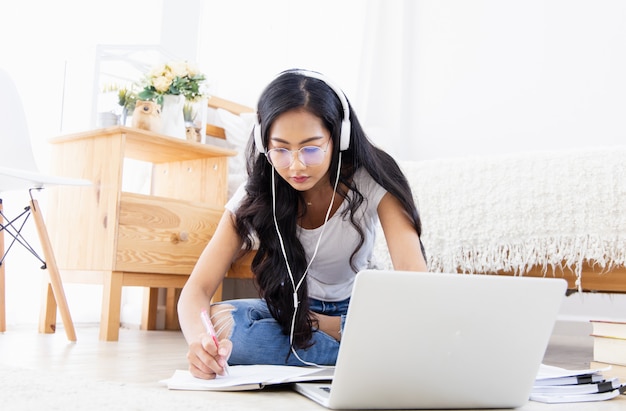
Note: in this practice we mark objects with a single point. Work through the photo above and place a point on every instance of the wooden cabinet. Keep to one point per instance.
(104, 235)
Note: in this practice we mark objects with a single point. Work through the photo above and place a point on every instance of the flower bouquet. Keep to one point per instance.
(171, 85)
(176, 78)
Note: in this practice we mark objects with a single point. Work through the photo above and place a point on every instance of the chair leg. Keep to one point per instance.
(48, 309)
(3, 318)
(3, 315)
(53, 271)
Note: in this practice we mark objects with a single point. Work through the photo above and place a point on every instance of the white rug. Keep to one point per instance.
(25, 390)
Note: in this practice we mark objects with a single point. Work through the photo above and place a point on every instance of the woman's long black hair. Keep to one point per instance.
(255, 220)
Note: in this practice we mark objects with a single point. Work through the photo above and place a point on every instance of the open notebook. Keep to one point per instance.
(430, 340)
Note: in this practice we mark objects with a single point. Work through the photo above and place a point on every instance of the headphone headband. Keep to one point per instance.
(344, 137)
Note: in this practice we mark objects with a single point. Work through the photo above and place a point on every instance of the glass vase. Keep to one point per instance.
(195, 119)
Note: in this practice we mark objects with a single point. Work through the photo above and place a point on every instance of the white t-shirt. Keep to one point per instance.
(330, 276)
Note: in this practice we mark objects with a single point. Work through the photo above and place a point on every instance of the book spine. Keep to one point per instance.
(616, 371)
(612, 329)
(609, 350)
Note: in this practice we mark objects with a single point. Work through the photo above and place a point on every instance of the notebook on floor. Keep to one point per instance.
(433, 341)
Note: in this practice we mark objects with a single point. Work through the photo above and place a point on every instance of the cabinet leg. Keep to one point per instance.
(171, 310)
(150, 304)
(111, 305)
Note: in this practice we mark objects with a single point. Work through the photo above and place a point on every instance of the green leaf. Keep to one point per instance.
(147, 95)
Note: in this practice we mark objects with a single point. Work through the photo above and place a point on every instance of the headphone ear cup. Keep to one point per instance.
(258, 139)
(344, 142)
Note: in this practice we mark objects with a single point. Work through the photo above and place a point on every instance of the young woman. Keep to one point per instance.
(316, 189)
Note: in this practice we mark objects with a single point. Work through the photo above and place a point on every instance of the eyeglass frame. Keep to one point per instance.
(298, 151)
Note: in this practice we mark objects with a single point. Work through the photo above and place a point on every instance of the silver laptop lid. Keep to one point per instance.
(431, 340)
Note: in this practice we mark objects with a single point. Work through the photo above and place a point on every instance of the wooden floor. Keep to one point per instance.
(138, 356)
(149, 356)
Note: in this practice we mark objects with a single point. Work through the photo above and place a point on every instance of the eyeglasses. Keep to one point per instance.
(308, 155)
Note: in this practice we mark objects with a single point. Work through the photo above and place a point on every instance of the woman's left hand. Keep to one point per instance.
(331, 325)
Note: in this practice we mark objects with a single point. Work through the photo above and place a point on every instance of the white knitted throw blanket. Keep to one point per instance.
(508, 213)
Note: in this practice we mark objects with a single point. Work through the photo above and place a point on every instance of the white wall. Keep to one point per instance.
(245, 43)
(499, 76)
(477, 77)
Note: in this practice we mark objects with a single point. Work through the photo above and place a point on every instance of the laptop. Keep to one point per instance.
(434, 341)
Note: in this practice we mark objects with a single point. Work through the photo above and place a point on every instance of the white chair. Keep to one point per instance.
(18, 171)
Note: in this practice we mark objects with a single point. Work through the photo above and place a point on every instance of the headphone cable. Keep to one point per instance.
(296, 287)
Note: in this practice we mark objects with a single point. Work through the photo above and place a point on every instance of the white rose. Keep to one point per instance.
(162, 83)
(192, 70)
(178, 69)
(157, 71)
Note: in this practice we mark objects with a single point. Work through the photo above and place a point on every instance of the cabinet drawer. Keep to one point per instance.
(162, 235)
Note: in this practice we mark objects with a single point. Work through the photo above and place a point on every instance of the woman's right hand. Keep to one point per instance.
(206, 361)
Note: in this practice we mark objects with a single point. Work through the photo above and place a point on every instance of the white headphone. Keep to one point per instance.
(344, 137)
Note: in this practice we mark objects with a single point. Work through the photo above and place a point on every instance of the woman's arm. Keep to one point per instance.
(196, 295)
(402, 239)
(331, 325)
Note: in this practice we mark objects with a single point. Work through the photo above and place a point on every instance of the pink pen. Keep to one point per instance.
(204, 316)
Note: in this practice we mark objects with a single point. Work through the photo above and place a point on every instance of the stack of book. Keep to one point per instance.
(613, 370)
(609, 342)
(559, 385)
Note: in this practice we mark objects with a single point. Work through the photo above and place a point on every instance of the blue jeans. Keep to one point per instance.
(258, 339)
